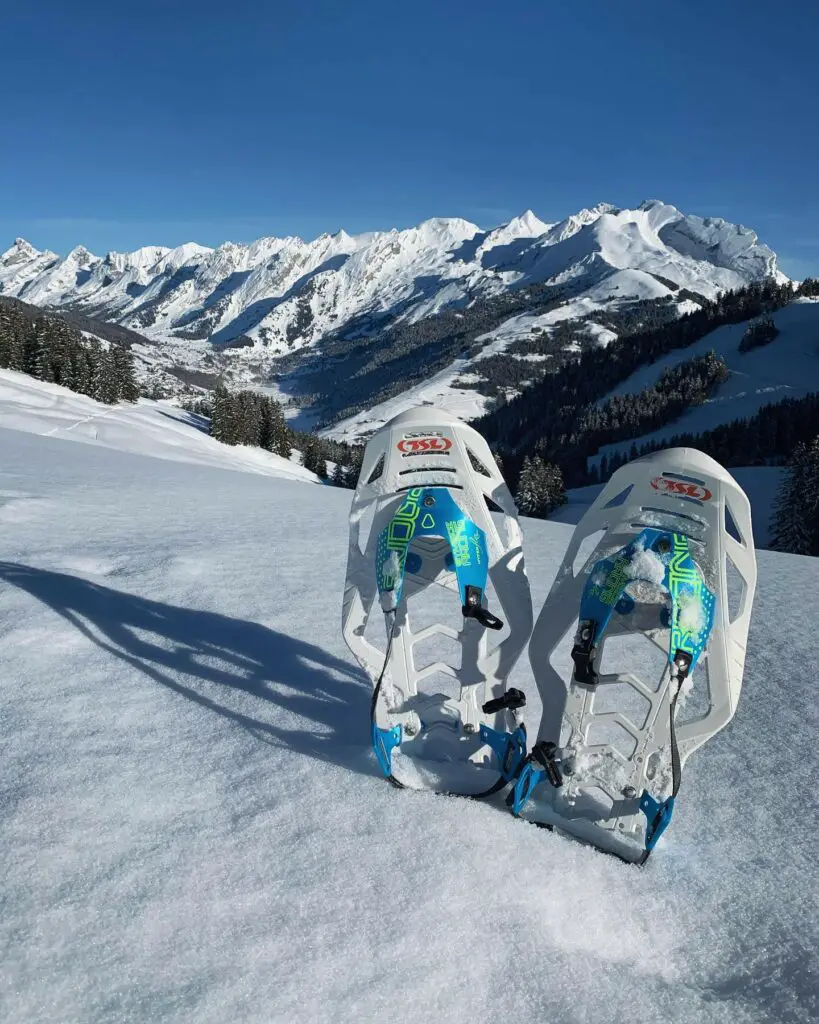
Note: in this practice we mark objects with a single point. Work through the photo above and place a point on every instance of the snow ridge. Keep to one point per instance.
(277, 295)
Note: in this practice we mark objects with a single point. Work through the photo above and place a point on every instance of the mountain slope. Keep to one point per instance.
(788, 367)
(193, 825)
(283, 312)
(285, 293)
(147, 428)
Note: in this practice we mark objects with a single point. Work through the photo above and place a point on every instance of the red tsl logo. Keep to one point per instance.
(413, 445)
(662, 483)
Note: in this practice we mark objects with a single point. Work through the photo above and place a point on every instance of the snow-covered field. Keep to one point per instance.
(193, 828)
(786, 368)
(148, 428)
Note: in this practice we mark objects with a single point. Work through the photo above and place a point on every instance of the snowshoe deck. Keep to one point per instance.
(650, 628)
(435, 544)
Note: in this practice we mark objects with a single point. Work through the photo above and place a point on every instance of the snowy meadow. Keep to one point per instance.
(194, 828)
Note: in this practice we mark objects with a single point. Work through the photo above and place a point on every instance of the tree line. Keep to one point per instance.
(250, 418)
(767, 438)
(553, 407)
(48, 348)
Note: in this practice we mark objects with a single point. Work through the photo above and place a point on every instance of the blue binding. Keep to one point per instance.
(529, 778)
(658, 815)
(509, 746)
(430, 512)
(384, 742)
(604, 589)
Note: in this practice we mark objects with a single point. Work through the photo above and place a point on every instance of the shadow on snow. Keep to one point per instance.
(198, 653)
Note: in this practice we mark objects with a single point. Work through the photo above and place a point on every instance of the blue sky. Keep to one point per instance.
(159, 123)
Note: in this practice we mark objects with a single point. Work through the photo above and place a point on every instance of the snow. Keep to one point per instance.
(286, 294)
(149, 428)
(438, 391)
(692, 615)
(193, 826)
(646, 565)
(786, 368)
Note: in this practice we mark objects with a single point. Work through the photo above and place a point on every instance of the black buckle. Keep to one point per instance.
(682, 664)
(583, 653)
(474, 609)
(511, 700)
(545, 753)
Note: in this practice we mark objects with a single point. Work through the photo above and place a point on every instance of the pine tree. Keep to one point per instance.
(106, 385)
(222, 426)
(33, 341)
(279, 434)
(123, 359)
(533, 487)
(555, 490)
(795, 522)
(83, 370)
(339, 475)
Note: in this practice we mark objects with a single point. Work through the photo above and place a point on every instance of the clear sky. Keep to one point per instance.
(162, 122)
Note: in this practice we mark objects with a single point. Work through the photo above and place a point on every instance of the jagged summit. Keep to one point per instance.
(285, 293)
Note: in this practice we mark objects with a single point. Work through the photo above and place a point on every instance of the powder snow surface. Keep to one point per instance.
(193, 827)
(149, 428)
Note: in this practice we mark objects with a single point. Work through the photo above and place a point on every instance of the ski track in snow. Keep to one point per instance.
(193, 827)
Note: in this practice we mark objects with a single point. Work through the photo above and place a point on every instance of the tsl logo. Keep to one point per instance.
(416, 445)
(679, 487)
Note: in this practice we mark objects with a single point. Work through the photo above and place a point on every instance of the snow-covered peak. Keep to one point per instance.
(286, 293)
(527, 225)
(182, 255)
(723, 244)
(20, 252)
(441, 231)
(571, 225)
(81, 257)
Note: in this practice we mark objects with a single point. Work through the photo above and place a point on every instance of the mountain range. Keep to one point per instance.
(284, 311)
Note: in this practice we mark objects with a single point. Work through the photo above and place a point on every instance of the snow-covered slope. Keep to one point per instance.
(786, 368)
(21, 264)
(147, 428)
(238, 309)
(284, 293)
(193, 828)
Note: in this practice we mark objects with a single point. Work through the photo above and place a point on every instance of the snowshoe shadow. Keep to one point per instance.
(219, 662)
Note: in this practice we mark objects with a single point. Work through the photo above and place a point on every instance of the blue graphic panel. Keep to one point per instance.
(692, 603)
(430, 512)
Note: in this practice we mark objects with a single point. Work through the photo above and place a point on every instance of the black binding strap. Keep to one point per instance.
(682, 664)
(377, 689)
(511, 701)
(473, 609)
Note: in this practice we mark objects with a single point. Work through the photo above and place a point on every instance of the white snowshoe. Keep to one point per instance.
(666, 589)
(455, 599)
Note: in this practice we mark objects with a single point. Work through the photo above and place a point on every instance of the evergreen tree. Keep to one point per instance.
(106, 385)
(339, 475)
(540, 488)
(123, 359)
(313, 457)
(795, 522)
(222, 426)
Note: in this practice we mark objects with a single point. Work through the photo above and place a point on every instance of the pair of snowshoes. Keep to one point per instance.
(637, 655)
